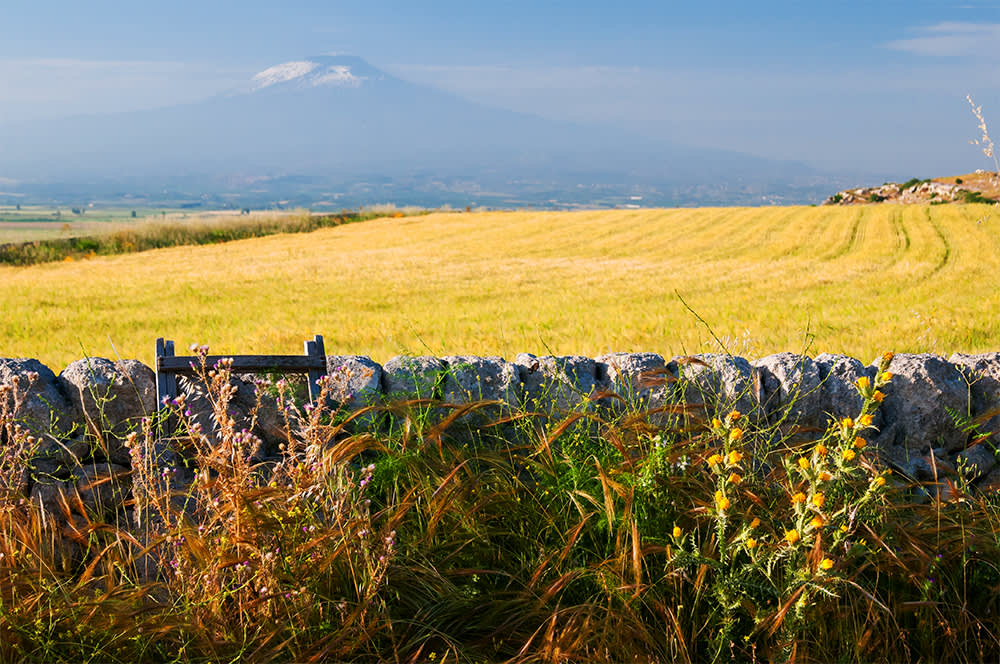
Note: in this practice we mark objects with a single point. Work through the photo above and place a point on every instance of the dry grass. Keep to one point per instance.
(911, 278)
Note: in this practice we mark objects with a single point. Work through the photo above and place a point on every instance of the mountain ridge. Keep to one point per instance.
(338, 117)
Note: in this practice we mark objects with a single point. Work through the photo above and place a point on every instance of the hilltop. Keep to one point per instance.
(979, 187)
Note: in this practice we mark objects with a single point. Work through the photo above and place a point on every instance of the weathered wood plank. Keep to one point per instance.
(188, 365)
(317, 350)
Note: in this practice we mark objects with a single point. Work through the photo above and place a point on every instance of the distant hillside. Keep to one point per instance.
(336, 129)
(978, 187)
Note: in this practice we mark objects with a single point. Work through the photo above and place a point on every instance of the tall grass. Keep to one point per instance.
(148, 235)
(606, 536)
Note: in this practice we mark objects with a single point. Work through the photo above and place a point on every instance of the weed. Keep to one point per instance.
(593, 534)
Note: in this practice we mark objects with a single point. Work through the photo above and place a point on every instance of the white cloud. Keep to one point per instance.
(953, 39)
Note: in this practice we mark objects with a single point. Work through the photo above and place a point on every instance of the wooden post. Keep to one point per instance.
(316, 349)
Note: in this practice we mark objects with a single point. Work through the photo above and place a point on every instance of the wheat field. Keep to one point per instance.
(857, 280)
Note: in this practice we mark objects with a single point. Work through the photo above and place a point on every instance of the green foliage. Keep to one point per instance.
(977, 197)
(601, 535)
(912, 182)
(161, 235)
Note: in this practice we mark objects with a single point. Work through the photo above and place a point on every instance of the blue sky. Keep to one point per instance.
(875, 87)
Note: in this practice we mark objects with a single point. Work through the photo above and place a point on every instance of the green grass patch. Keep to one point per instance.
(602, 535)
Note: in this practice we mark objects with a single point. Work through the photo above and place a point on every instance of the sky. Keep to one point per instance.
(866, 87)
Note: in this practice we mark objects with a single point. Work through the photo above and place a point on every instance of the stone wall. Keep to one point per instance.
(84, 413)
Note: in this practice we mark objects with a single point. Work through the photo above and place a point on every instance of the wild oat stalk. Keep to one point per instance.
(985, 142)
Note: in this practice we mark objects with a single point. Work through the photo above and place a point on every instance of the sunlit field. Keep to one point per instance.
(755, 280)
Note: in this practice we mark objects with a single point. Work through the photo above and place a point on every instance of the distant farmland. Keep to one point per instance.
(852, 280)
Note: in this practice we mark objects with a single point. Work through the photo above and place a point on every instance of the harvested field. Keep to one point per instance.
(851, 280)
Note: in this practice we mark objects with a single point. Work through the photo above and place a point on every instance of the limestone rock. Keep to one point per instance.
(793, 384)
(355, 382)
(977, 461)
(723, 383)
(556, 384)
(413, 377)
(471, 378)
(839, 375)
(102, 487)
(982, 373)
(923, 387)
(638, 378)
(270, 428)
(110, 398)
(43, 408)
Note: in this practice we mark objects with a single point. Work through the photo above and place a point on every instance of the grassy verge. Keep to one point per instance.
(131, 238)
(604, 535)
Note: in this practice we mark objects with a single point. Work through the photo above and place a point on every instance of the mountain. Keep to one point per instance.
(334, 120)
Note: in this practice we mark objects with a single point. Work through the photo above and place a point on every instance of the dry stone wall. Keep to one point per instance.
(925, 425)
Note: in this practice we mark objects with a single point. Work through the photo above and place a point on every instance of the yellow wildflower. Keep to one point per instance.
(735, 478)
(755, 522)
(735, 457)
(825, 476)
(799, 497)
(843, 529)
(819, 500)
(733, 416)
(867, 420)
(877, 396)
(716, 423)
(860, 443)
(677, 531)
(847, 423)
(887, 356)
(804, 463)
(751, 543)
(817, 522)
(736, 433)
(863, 382)
(792, 536)
(879, 481)
(826, 563)
(887, 376)
(849, 455)
(715, 460)
(721, 501)
(821, 450)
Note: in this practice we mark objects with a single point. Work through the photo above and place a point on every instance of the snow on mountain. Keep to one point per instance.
(327, 71)
(284, 72)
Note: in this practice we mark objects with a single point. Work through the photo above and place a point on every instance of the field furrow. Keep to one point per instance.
(849, 280)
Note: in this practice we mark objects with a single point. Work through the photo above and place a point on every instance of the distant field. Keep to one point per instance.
(855, 280)
(35, 222)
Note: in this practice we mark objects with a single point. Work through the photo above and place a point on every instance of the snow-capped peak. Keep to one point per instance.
(308, 73)
(283, 72)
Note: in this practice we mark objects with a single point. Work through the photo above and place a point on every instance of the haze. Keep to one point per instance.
(852, 87)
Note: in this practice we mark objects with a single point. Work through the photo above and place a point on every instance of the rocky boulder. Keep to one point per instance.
(982, 373)
(250, 405)
(791, 392)
(723, 383)
(915, 409)
(470, 378)
(355, 382)
(110, 399)
(638, 380)
(413, 377)
(556, 384)
(31, 392)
